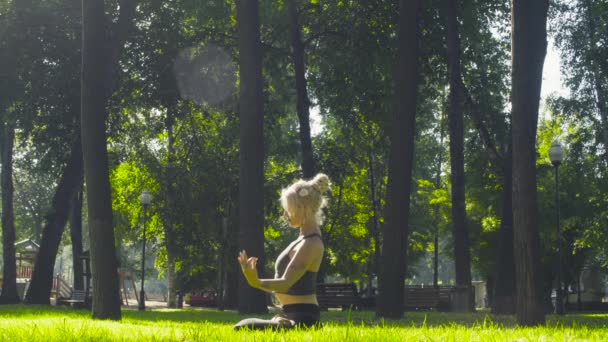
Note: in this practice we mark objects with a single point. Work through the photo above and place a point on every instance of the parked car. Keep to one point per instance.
(201, 298)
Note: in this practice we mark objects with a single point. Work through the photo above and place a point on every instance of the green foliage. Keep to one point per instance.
(128, 181)
(350, 59)
(580, 28)
(40, 87)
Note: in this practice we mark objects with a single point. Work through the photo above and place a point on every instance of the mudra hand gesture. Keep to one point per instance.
(248, 266)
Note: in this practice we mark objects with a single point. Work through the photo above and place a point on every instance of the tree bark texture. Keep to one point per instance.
(328, 239)
(251, 181)
(106, 299)
(303, 103)
(437, 216)
(9, 273)
(602, 108)
(504, 285)
(529, 45)
(39, 291)
(502, 294)
(394, 244)
(171, 208)
(456, 131)
(598, 81)
(76, 237)
(171, 281)
(374, 226)
(232, 269)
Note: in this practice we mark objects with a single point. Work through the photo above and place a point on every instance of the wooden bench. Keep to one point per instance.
(77, 299)
(429, 297)
(338, 295)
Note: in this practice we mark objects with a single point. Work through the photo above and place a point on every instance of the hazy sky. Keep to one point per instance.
(551, 73)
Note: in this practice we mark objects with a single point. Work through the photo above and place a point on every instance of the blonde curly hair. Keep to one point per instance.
(304, 199)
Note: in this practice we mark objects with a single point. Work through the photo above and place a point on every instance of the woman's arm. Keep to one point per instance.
(303, 257)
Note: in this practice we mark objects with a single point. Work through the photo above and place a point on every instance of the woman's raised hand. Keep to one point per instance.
(249, 268)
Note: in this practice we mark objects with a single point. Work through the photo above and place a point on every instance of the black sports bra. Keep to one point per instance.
(306, 285)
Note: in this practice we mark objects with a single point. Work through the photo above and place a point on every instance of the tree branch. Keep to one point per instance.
(123, 27)
(484, 133)
(116, 40)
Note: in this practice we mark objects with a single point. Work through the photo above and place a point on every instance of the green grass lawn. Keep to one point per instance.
(46, 323)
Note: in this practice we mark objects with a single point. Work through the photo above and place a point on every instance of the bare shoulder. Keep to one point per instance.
(309, 253)
(314, 243)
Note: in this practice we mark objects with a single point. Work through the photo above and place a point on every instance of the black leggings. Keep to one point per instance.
(300, 315)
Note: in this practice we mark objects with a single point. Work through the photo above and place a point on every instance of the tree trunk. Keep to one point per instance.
(230, 271)
(601, 106)
(504, 289)
(76, 237)
(9, 274)
(251, 181)
(106, 299)
(100, 51)
(437, 216)
(597, 79)
(373, 227)
(327, 237)
(303, 104)
(456, 129)
(171, 281)
(170, 215)
(231, 299)
(503, 299)
(394, 263)
(529, 45)
(39, 291)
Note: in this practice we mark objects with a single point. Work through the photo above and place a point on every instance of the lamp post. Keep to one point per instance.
(556, 154)
(145, 200)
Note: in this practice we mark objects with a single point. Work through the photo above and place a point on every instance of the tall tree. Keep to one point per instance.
(171, 191)
(303, 102)
(583, 44)
(581, 39)
(9, 273)
(106, 302)
(489, 88)
(502, 283)
(76, 237)
(456, 132)
(98, 63)
(251, 181)
(504, 295)
(14, 18)
(56, 68)
(529, 46)
(373, 225)
(39, 291)
(598, 52)
(166, 73)
(394, 264)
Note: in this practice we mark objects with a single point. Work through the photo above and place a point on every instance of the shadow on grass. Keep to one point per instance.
(329, 318)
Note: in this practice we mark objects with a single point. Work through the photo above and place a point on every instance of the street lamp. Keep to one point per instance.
(556, 154)
(145, 200)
